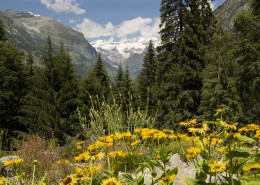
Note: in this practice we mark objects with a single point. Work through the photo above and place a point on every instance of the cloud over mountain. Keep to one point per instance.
(145, 27)
(69, 6)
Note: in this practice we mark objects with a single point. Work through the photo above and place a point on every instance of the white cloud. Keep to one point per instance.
(145, 27)
(92, 29)
(212, 4)
(69, 6)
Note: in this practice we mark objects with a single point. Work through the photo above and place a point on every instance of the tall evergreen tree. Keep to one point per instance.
(12, 84)
(50, 102)
(247, 53)
(147, 76)
(186, 28)
(119, 84)
(219, 79)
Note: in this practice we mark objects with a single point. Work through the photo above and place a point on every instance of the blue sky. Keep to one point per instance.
(98, 19)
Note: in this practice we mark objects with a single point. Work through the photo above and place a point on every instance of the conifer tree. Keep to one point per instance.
(147, 76)
(186, 28)
(219, 79)
(52, 98)
(12, 84)
(99, 73)
(247, 53)
(119, 84)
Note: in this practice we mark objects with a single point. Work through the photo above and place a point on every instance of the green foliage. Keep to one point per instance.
(186, 29)
(220, 78)
(247, 53)
(50, 103)
(12, 84)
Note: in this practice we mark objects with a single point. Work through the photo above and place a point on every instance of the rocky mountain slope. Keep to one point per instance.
(29, 32)
(227, 12)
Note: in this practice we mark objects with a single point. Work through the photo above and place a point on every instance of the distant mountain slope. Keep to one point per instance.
(227, 12)
(29, 32)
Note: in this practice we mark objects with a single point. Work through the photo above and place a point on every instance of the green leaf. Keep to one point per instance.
(140, 180)
(238, 153)
(173, 171)
(246, 139)
(190, 181)
(157, 164)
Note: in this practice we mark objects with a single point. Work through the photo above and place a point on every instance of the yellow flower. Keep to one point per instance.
(13, 162)
(80, 142)
(251, 167)
(249, 127)
(193, 152)
(167, 131)
(118, 153)
(63, 161)
(69, 180)
(87, 170)
(228, 125)
(124, 135)
(167, 179)
(213, 141)
(257, 135)
(222, 149)
(105, 141)
(217, 167)
(232, 135)
(189, 122)
(89, 156)
(111, 181)
(137, 142)
(3, 180)
(220, 111)
(199, 128)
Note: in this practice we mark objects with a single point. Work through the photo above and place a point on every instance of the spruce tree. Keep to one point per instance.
(247, 53)
(219, 79)
(119, 84)
(49, 104)
(147, 76)
(12, 85)
(186, 28)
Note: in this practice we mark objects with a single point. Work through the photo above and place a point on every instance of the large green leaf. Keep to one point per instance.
(246, 139)
(238, 153)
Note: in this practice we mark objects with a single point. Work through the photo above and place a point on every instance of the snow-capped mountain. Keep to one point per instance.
(118, 52)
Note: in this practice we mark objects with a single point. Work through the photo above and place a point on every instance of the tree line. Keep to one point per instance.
(198, 68)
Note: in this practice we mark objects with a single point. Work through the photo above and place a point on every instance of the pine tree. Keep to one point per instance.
(52, 98)
(99, 73)
(247, 53)
(186, 28)
(147, 76)
(12, 84)
(219, 79)
(119, 84)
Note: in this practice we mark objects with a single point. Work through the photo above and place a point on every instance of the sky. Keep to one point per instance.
(111, 20)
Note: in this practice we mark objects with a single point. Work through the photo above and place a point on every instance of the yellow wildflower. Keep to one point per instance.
(250, 127)
(167, 179)
(137, 142)
(257, 135)
(228, 125)
(3, 180)
(251, 167)
(222, 149)
(232, 135)
(199, 128)
(118, 153)
(87, 170)
(193, 152)
(124, 135)
(217, 167)
(13, 162)
(89, 156)
(189, 122)
(111, 181)
(63, 161)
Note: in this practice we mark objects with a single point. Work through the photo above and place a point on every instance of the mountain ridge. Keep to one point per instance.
(29, 32)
